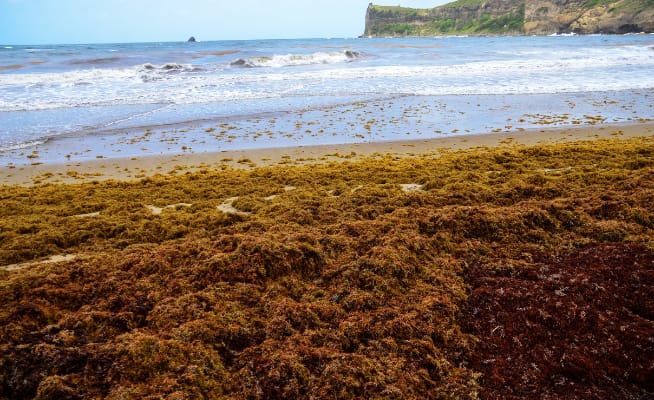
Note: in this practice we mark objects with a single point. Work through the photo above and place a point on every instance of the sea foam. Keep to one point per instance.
(181, 83)
(90, 88)
(288, 60)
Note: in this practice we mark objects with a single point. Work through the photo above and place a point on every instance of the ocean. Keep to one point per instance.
(224, 95)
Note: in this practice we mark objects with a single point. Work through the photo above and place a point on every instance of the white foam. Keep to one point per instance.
(20, 146)
(546, 71)
(288, 60)
(62, 78)
(135, 116)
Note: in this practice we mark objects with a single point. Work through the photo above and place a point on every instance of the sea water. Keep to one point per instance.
(317, 91)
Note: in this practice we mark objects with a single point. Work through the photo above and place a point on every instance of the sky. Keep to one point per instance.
(121, 21)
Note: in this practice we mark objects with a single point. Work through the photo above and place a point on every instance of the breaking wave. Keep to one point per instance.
(150, 72)
(519, 71)
(289, 60)
(19, 146)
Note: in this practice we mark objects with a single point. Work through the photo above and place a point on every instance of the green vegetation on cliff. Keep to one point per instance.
(418, 22)
(478, 17)
(465, 3)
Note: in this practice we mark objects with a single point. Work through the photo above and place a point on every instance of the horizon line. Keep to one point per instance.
(197, 41)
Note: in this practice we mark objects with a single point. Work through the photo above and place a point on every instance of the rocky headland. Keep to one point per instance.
(527, 17)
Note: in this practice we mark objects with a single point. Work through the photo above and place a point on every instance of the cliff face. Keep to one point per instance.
(529, 17)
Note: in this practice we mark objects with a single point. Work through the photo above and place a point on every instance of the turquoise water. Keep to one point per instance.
(331, 88)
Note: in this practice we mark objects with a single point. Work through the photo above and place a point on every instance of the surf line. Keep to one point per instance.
(138, 115)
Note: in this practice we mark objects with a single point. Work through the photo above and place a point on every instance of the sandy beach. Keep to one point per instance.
(378, 245)
(139, 167)
(344, 218)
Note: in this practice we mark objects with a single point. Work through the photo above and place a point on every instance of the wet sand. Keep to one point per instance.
(140, 167)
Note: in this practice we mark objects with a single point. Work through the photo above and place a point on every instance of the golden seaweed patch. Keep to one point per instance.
(345, 279)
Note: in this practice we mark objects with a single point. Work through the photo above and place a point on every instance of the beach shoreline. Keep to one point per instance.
(335, 218)
(135, 168)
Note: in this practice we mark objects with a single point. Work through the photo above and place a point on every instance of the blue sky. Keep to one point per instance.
(107, 21)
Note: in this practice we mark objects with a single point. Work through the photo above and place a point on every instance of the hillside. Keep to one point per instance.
(528, 17)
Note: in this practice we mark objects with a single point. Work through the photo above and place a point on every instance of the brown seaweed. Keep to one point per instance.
(342, 284)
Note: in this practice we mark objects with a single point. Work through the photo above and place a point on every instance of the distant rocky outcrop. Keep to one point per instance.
(192, 39)
(500, 17)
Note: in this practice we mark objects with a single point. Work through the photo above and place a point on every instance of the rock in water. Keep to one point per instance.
(192, 39)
